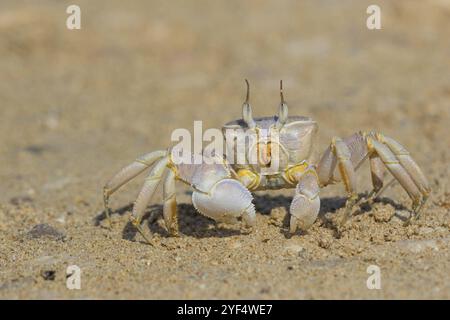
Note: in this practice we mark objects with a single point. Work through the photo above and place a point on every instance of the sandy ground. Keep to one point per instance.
(76, 106)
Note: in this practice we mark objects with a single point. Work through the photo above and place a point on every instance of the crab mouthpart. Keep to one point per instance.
(264, 154)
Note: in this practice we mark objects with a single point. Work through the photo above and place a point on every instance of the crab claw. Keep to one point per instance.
(226, 201)
(306, 204)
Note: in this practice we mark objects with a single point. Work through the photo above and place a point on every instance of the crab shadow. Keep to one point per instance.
(328, 206)
(191, 223)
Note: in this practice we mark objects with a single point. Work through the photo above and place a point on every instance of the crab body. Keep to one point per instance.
(273, 153)
(293, 142)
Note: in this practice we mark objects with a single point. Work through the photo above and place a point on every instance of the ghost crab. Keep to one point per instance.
(222, 190)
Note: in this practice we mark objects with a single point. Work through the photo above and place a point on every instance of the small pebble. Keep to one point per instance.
(325, 243)
(293, 249)
(48, 274)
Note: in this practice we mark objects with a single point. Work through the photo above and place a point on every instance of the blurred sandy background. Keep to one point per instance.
(76, 106)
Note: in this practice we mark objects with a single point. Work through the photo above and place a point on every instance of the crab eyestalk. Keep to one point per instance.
(247, 109)
(283, 111)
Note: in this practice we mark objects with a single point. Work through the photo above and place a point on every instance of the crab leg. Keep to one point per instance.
(348, 155)
(407, 162)
(409, 179)
(377, 172)
(146, 193)
(170, 204)
(126, 174)
(339, 154)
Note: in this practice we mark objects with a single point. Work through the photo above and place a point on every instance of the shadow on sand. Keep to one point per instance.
(191, 223)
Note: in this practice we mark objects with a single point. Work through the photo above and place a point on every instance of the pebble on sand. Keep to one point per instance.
(293, 249)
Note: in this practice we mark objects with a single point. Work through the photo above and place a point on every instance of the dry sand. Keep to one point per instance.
(76, 106)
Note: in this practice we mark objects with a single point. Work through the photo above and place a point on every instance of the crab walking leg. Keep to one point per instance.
(305, 205)
(401, 174)
(348, 155)
(377, 170)
(347, 172)
(352, 148)
(170, 204)
(126, 174)
(146, 193)
(410, 166)
(412, 169)
(382, 152)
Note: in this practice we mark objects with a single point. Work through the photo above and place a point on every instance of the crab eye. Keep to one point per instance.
(247, 115)
(247, 109)
(283, 110)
